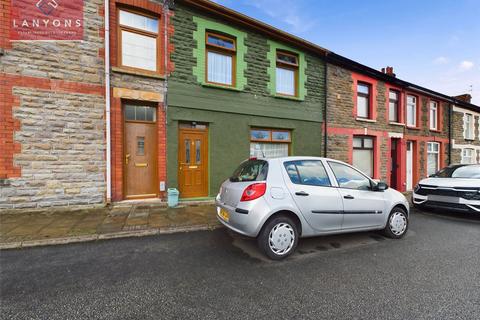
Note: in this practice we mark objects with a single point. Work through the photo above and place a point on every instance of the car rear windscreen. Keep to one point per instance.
(251, 170)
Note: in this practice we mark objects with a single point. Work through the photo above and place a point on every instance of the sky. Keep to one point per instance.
(434, 44)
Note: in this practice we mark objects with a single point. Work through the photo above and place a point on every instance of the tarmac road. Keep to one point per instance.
(433, 273)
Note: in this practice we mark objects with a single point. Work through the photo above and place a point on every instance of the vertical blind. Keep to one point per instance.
(219, 68)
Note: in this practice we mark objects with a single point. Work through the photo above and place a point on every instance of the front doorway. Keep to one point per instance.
(140, 152)
(193, 160)
(395, 160)
(409, 166)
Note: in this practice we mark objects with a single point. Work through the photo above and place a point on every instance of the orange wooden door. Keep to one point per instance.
(140, 160)
(193, 163)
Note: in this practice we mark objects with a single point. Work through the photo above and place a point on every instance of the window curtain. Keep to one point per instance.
(268, 150)
(219, 68)
(285, 81)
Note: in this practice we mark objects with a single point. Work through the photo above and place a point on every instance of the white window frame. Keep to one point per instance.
(472, 157)
(469, 134)
(414, 125)
(433, 114)
(432, 151)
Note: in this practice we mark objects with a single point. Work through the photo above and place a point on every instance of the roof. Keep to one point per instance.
(328, 55)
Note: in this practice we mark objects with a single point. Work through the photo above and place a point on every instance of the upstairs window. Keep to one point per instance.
(139, 41)
(411, 111)
(393, 106)
(469, 127)
(363, 100)
(221, 53)
(286, 74)
(433, 115)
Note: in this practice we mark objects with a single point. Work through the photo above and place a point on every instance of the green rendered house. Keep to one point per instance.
(240, 89)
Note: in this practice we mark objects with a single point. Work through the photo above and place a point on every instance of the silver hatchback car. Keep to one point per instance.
(280, 200)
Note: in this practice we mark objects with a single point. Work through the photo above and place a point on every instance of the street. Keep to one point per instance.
(432, 273)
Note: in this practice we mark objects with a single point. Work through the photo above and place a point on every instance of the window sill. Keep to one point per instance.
(138, 73)
(397, 124)
(279, 96)
(218, 86)
(435, 130)
(413, 128)
(366, 120)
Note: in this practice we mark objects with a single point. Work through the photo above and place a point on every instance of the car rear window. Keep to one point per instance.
(462, 171)
(250, 170)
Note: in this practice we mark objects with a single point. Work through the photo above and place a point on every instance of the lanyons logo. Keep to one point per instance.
(47, 7)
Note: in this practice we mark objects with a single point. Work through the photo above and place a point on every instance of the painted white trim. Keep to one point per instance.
(395, 135)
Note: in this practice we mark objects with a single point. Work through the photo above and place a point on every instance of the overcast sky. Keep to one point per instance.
(435, 44)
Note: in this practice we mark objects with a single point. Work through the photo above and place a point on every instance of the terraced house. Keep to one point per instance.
(393, 130)
(466, 131)
(240, 88)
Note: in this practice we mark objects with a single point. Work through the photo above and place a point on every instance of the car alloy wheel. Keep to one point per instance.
(398, 223)
(281, 238)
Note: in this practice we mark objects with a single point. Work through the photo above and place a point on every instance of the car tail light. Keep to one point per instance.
(254, 191)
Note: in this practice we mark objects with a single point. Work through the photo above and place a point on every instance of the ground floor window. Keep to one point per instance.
(433, 158)
(363, 154)
(269, 143)
(468, 156)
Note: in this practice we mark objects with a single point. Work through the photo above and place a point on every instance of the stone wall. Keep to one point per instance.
(459, 143)
(52, 119)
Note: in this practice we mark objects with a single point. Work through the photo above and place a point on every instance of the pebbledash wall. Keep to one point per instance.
(52, 121)
(343, 125)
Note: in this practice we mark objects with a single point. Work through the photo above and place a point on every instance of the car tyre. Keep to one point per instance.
(397, 223)
(278, 238)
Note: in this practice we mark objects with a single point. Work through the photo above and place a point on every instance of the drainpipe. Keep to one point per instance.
(107, 101)
(325, 117)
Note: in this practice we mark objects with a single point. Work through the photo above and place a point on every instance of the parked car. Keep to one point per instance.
(456, 187)
(281, 200)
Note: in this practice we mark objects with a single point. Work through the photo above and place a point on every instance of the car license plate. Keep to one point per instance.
(224, 214)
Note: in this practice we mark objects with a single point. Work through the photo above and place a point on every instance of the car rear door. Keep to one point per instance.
(362, 207)
(313, 193)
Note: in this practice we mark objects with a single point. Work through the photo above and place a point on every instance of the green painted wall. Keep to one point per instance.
(231, 113)
(229, 140)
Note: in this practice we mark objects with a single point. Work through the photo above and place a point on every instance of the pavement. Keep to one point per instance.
(432, 273)
(26, 229)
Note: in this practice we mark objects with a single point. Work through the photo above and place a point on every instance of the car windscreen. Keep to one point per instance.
(464, 172)
(250, 170)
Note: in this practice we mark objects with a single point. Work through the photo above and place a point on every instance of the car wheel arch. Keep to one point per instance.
(292, 215)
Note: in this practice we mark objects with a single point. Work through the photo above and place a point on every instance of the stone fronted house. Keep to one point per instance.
(466, 131)
(240, 88)
(393, 130)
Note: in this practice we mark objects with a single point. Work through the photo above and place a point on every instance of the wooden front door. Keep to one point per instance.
(193, 163)
(140, 160)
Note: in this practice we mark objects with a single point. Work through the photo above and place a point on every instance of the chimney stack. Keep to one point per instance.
(464, 97)
(389, 71)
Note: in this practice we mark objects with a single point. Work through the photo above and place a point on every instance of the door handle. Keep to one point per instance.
(349, 197)
(127, 156)
(301, 193)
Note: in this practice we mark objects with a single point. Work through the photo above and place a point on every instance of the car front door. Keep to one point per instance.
(314, 195)
(362, 207)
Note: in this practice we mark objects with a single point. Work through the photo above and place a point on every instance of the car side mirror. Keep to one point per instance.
(380, 186)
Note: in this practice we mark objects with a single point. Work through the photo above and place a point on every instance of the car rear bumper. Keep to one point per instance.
(450, 203)
(240, 222)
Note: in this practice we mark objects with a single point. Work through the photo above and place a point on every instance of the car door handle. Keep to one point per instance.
(301, 193)
(349, 197)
